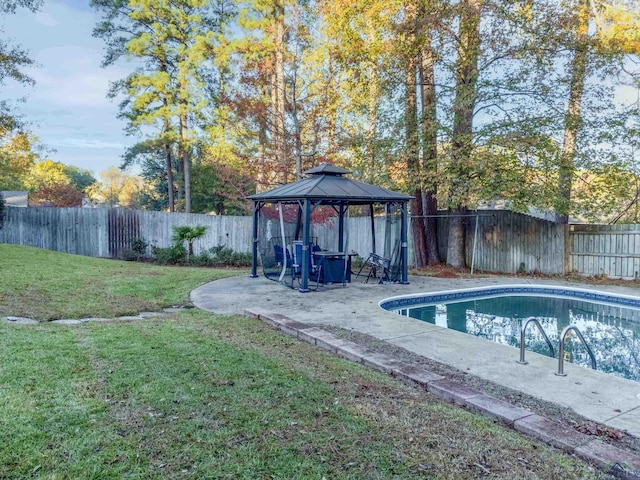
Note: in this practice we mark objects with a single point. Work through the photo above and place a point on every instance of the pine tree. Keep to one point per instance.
(166, 92)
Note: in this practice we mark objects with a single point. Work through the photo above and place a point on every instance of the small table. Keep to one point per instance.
(332, 266)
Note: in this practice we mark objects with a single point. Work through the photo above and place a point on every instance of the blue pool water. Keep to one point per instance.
(609, 323)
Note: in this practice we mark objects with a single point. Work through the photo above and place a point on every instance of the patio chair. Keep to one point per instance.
(376, 262)
(314, 270)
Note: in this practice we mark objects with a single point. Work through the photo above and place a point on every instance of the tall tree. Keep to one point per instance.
(426, 197)
(18, 154)
(414, 168)
(264, 53)
(166, 91)
(80, 178)
(615, 33)
(462, 137)
(118, 188)
(573, 117)
(2, 210)
(421, 129)
(50, 184)
(363, 38)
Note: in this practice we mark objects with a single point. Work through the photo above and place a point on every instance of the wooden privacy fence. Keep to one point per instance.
(508, 242)
(496, 240)
(109, 232)
(609, 250)
(70, 230)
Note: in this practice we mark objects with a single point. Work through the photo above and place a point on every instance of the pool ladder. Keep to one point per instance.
(523, 330)
(563, 335)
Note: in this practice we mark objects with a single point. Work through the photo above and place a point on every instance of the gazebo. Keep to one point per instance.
(326, 185)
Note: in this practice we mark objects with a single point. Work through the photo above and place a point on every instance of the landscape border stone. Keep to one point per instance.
(605, 456)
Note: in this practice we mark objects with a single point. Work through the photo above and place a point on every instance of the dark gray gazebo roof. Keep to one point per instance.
(326, 182)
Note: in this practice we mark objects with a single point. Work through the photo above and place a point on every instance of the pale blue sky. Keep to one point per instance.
(67, 106)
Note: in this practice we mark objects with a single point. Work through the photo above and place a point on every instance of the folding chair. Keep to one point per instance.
(376, 262)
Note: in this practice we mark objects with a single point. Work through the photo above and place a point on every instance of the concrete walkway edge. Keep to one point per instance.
(619, 462)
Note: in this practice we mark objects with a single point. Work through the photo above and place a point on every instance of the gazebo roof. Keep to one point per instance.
(327, 182)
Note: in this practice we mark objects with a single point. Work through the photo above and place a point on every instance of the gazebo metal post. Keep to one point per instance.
(373, 229)
(387, 231)
(404, 245)
(298, 222)
(254, 248)
(341, 227)
(306, 228)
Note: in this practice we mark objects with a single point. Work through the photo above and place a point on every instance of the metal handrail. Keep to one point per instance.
(564, 333)
(522, 336)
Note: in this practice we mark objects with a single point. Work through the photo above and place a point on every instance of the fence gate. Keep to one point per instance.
(124, 226)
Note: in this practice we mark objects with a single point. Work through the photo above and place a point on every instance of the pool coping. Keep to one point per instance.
(604, 455)
(420, 299)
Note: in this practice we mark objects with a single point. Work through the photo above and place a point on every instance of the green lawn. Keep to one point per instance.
(196, 395)
(47, 285)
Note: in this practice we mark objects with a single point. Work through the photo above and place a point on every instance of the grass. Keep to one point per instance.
(47, 285)
(196, 395)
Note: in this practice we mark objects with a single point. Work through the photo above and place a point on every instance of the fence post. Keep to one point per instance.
(567, 249)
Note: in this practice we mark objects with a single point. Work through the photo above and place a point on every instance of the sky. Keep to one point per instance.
(67, 108)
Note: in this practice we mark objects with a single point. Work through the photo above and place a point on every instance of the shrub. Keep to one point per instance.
(219, 256)
(175, 254)
(357, 262)
(201, 260)
(226, 257)
(188, 234)
(137, 250)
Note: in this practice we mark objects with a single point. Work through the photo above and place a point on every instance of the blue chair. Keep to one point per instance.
(314, 270)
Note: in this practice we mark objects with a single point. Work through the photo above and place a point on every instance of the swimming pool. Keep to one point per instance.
(610, 323)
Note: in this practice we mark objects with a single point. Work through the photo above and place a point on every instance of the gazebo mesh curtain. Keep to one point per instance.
(276, 229)
(279, 225)
(393, 239)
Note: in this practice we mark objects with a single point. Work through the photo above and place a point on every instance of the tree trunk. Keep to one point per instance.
(166, 127)
(187, 179)
(296, 130)
(172, 207)
(180, 182)
(280, 91)
(169, 163)
(261, 181)
(273, 125)
(374, 93)
(429, 130)
(411, 137)
(456, 245)
(184, 147)
(462, 138)
(573, 118)
(333, 111)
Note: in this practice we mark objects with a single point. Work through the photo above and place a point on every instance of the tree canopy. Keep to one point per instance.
(459, 103)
